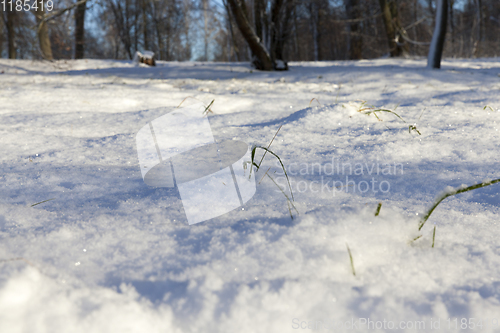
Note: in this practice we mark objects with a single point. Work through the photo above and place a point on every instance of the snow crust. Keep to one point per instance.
(110, 254)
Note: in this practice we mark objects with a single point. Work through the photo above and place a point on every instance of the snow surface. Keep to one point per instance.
(110, 254)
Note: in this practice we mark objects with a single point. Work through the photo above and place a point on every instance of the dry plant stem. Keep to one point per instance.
(178, 106)
(207, 109)
(279, 159)
(350, 258)
(433, 236)
(270, 143)
(18, 259)
(414, 128)
(448, 194)
(289, 202)
(41, 202)
(384, 110)
(264, 175)
(414, 239)
(378, 209)
(317, 100)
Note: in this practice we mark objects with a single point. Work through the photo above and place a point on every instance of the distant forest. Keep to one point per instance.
(232, 30)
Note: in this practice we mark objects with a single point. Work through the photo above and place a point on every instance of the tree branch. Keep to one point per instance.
(52, 16)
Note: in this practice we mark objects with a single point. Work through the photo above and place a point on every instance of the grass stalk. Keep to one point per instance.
(413, 128)
(317, 100)
(383, 110)
(350, 258)
(41, 202)
(289, 202)
(257, 166)
(487, 106)
(378, 209)
(450, 193)
(269, 145)
(207, 109)
(433, 236)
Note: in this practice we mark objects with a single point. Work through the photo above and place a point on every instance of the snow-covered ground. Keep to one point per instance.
(110, 254)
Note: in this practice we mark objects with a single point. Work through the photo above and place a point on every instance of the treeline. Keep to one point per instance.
(237, 30)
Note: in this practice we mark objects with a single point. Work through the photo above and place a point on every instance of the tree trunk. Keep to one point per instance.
(43, 32)
(161, 55)
(80, 31)
(438, 38)
(159, 36)
(356, 41)
(135, 24)
(122, 24)
(11, 33)
(296, 35)
(187, 26)
(283, 32)
(230, 27)
(479, 38)
(145, 24)
(392, 25)
(258, 9)
(313, 23)
(276, 29)
(206, 32)
(452, 25)
(263, 59)
(1, 33)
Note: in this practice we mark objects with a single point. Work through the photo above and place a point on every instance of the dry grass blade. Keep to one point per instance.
(178, 106)
(433, 236)
(41, 202)
(317, 100)
(270, 143)
(383, 110)
(18, 259)
(350, 258)
(378, 209)
(257, 166)
(487, 106)
(207, 109)
(413, 128)
(264, 175)
(450, 193)
(289, 202)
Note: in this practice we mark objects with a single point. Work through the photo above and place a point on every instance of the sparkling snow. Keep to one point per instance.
(110, 254)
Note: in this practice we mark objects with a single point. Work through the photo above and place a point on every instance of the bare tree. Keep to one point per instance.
(353, 9)
(390, 15)
(80, 31)
(145, 24)
(438, 38)
(262, 58)
(123, 20)
(43, 31)
(267, 38)
(479, 23)
(313, 11)
(10, 18)
(233, 45)
(281, 14)
(282, 29)
(1, 34)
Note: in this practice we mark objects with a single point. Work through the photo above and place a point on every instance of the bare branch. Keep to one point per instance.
(58, 13)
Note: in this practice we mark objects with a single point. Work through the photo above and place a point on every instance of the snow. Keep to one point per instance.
(111, 254)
